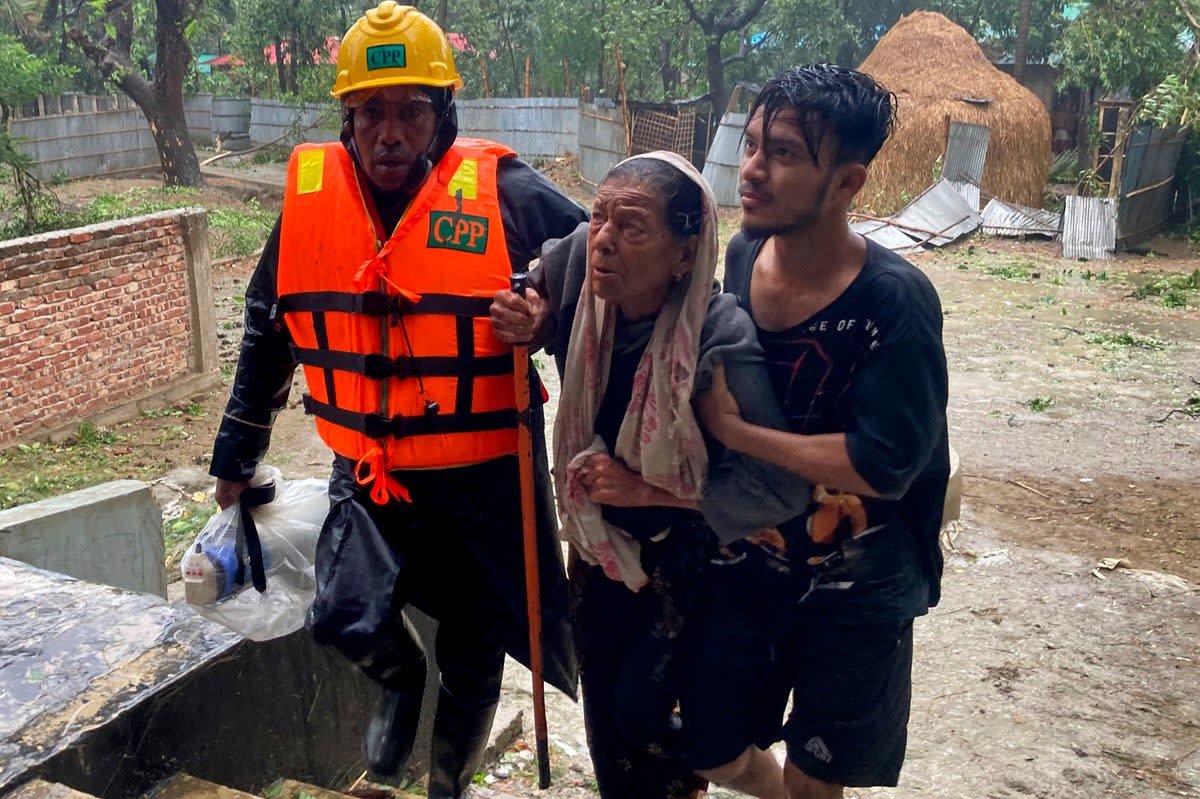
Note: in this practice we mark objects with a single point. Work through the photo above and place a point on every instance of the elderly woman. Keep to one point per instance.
(671, 626)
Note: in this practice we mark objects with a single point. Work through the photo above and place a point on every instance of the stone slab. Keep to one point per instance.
(110, 533)
(110, 692)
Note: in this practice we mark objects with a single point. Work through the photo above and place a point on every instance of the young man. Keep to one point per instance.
(852, 335)
(378, 280)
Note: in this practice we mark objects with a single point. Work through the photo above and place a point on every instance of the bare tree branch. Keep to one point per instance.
(705, 23)
(113, 66)
(736, 19)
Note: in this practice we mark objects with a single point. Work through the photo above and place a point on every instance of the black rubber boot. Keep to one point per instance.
(393, 727)
(460, 737)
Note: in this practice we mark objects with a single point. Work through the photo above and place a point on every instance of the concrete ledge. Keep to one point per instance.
(110, 534)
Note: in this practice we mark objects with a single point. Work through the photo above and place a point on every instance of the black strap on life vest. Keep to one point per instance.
(377, 303)
(379, 367)
(465, 366)
(374, 425)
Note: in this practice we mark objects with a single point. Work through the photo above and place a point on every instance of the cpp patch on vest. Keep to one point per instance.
(462, 232)
(386, 56)
(466, 178)
(309, 171)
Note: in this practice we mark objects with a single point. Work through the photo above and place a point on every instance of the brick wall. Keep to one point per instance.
(97, 319)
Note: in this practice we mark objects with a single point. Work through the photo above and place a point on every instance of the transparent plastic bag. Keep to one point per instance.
(221, 570)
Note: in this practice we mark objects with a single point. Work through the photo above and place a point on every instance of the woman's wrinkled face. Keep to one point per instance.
(633, 256)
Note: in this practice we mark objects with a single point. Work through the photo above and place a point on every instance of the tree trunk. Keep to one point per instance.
(443, 11)
(168, 125)
(295, 51)
(1021, 48)
(167, 122)
(280, 69)
(667, 70)
(717, 92)
(161, 101)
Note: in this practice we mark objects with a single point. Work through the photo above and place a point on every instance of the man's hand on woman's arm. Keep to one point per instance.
(820, 459)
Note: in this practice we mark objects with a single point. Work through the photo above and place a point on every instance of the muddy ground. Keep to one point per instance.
(1039, 675)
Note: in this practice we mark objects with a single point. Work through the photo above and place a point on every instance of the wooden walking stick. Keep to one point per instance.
(529, 520)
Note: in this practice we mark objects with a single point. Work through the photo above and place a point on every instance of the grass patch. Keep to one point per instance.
(1012, 271)
(1039, 404)
(1113, 342)
(1173, 291)
(234, 232)
(39, 470)
(241, 232)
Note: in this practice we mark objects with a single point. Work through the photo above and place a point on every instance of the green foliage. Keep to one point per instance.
(290, 30)
(245, 229)
(1019, 271)
(23, 76)
(1173, 291)
(47, 470)
(1113, 342)
(1171, 102)
(235, 232)
(1124, 44)
(1039, 404)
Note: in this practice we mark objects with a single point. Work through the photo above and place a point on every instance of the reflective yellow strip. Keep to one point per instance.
(310, 170)
(465, 178)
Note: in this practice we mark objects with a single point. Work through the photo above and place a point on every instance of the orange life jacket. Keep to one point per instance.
(402, 366)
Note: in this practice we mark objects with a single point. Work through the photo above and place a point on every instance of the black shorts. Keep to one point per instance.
(732, 691)
(851, 692)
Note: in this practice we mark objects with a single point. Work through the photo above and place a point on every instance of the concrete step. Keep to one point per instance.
(185, 786)
(40, 789)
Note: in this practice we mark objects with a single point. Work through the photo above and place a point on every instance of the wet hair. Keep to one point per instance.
(830, 99)
(681, 195)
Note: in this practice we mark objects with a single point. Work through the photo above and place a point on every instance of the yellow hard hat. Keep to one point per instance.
(394, 45)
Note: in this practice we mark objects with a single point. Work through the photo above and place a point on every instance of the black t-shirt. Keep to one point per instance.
(870, 365)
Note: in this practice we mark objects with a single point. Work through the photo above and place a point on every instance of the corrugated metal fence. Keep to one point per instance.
(536, 127)
(75, 136)
(602, 141)
(1147, 181)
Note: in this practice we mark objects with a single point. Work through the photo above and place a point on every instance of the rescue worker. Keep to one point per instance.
(378, 279)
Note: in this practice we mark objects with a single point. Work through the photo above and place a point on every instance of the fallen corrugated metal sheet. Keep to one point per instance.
(724, 159)
(966, 154)
(1089, 228)
(1009, 219)
(939, 215)
(886, 235)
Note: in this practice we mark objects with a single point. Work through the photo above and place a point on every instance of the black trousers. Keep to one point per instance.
(455, 553)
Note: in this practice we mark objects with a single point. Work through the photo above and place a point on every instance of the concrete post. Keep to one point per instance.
(193, 226)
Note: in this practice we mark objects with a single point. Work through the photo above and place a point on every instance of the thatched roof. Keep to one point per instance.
(932, 64)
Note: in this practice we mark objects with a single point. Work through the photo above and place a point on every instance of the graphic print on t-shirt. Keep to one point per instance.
(811, 367)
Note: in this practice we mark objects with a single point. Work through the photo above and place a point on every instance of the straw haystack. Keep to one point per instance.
(938, 74)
